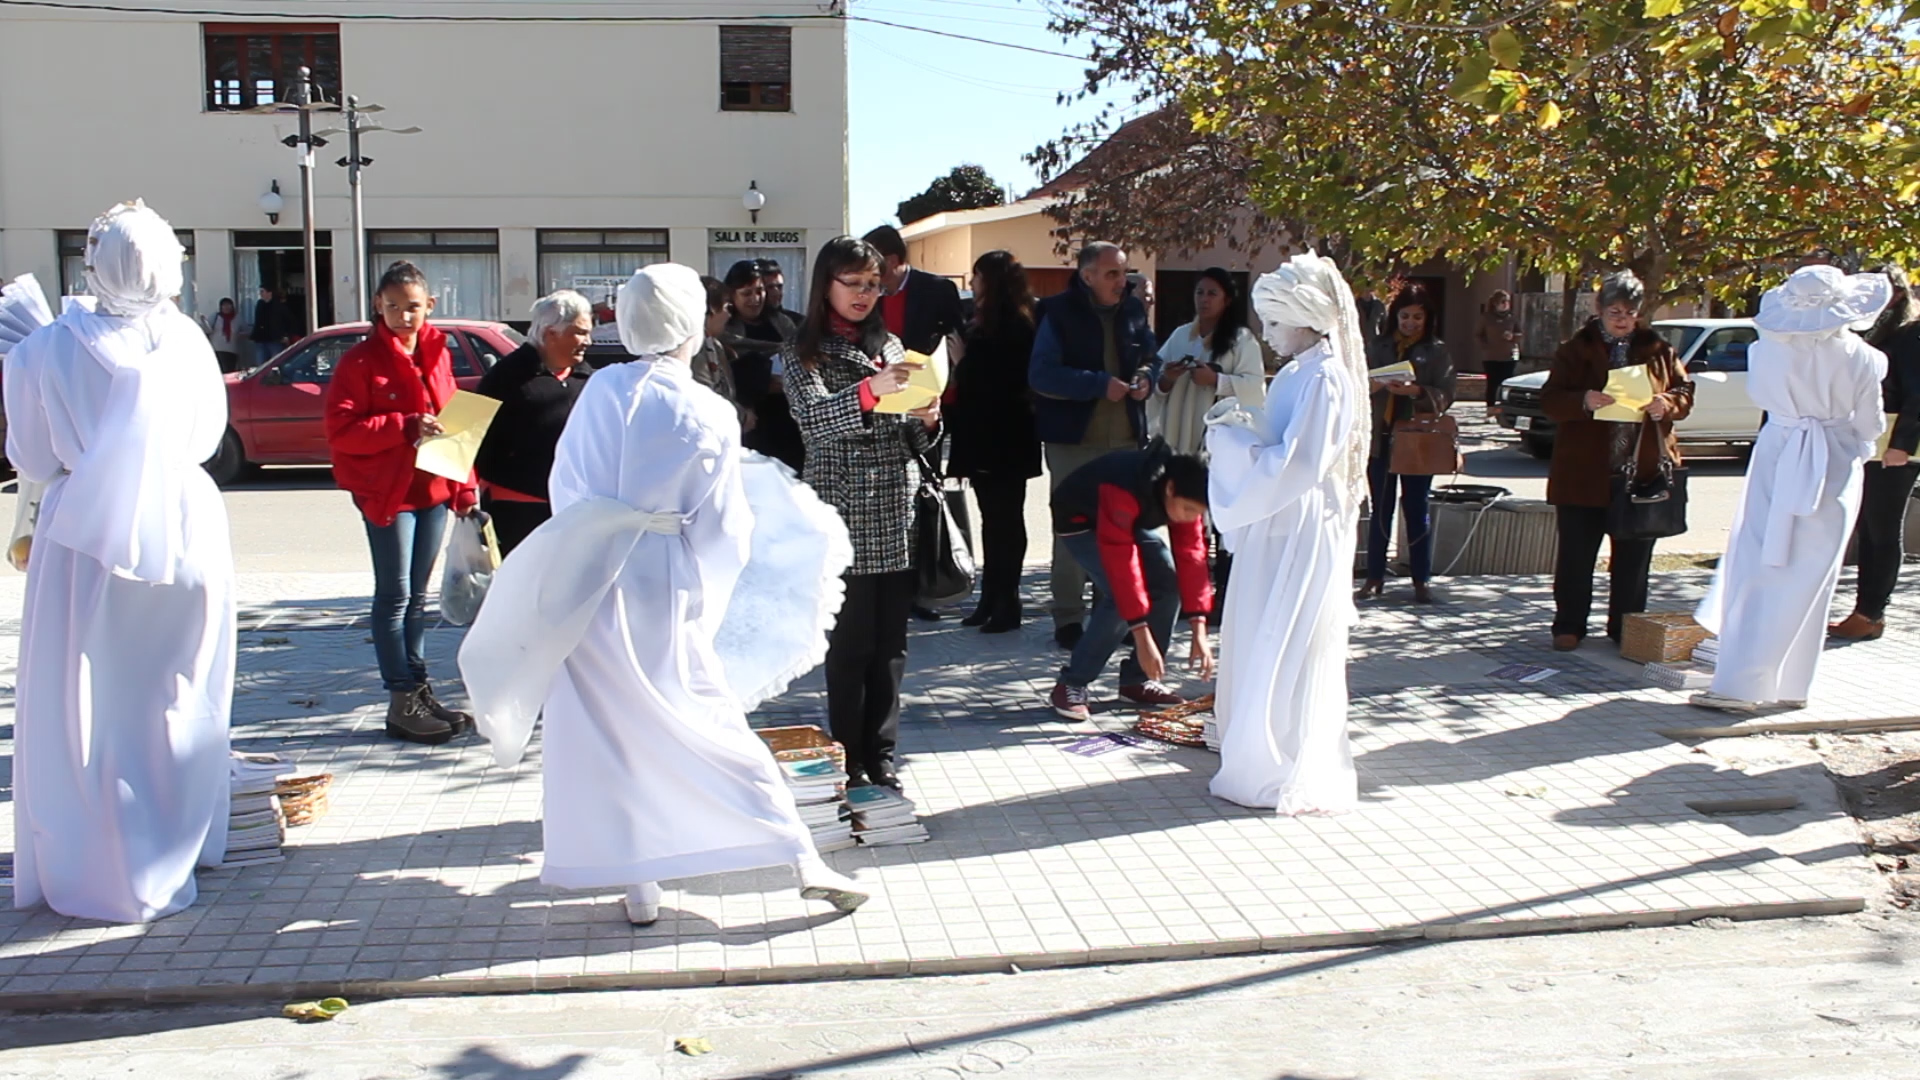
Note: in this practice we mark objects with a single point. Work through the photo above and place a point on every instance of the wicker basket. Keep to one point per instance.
(803, 742)
(303, 799)
(1660, 637)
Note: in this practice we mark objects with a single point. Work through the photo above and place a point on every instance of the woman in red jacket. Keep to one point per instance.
(382, 401)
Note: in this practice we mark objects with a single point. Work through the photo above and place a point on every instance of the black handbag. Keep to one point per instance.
(942, 561)
(1650, 507)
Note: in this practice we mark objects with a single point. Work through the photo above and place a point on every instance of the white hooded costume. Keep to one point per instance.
(1285, 494)
(1819, 385)
(608, 615)
(127, 637)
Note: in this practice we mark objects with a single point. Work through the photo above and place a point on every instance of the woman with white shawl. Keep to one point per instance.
(127, 636)
(1286, 488)
(621, 617)
(1819, 385)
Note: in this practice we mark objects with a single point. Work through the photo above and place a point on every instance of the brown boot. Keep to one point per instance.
(409, 720)
(1857, 627)
(460, 722)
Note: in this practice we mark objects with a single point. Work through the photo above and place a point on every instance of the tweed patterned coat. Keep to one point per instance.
(863, 464)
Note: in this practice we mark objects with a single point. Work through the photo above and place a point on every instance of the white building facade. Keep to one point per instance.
(561, 144)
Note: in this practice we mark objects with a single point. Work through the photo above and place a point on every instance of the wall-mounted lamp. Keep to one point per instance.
(271, 204)
(754, 200)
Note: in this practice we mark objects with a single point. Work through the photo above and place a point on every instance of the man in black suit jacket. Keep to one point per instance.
(922, 310)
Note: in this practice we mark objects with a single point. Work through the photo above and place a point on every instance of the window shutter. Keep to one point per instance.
(756, 54)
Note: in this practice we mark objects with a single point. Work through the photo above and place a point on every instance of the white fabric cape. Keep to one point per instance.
(127, 637)
(1277, 496)
(608, 615)
(1771, 592)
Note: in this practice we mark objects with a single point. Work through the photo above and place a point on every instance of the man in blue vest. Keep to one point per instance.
(1095, 360)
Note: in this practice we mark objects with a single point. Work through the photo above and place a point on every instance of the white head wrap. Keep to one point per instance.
(661, 308)
(1822, 299)
(1308, 291)
(133, 261)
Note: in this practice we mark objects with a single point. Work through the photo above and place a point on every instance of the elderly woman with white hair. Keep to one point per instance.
(677, 585)
(1819, 386)
(127, 637)
(536, 386)
(1286, 485)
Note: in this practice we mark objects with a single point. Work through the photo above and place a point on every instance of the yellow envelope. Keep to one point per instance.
(1402, 371)
(1631, 389)
(466, 419)
(929, 381)
(1886, 437)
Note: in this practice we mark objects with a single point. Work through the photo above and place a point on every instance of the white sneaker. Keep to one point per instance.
(643, 903)
(1707, 699)
(818, 881)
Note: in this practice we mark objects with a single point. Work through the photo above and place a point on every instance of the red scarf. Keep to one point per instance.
(226, 325)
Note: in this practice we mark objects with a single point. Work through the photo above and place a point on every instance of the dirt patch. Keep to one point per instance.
(1879, 778)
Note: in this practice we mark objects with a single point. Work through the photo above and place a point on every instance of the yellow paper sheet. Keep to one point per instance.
(1402, 371)
(929, 381)
(1886, 437)
(465, 419)
(1631, 389)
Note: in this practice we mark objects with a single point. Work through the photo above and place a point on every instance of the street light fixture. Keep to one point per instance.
(754, 200)
(271, 204)
(353, 163)
(304, 105)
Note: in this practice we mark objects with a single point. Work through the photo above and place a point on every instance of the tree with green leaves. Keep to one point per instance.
(1705, 146)
(967, 187)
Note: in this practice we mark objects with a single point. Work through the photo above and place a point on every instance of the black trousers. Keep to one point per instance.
(1882, 530)
(1003, 541)
(1498, 372)
(866, 659)
(513, 521)
(1581, 530)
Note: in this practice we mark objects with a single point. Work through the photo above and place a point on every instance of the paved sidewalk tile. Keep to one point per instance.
(1489, 807)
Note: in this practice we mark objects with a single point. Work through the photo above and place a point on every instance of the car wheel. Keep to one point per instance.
(1539, 446)
(229, 463)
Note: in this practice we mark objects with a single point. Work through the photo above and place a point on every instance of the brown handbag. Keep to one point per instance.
(1426, 445)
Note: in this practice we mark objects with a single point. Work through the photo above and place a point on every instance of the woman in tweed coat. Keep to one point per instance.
(866, 464)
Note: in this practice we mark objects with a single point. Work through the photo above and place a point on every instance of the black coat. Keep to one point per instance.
(990, 422)
(1900, 390)
(534, 405)
(933, 311)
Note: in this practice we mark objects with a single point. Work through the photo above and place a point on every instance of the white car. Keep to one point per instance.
(1715, 353)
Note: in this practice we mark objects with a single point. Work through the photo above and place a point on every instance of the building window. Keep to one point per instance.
(462, 267)
(756, 68)
(595, 262)
(73, 265)
(252, 64)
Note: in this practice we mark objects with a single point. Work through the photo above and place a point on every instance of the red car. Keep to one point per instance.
(273, 411)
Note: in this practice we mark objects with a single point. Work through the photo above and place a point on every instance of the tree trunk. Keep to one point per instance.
(1569, 297)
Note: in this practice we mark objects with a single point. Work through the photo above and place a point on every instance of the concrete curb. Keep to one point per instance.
(373, 989)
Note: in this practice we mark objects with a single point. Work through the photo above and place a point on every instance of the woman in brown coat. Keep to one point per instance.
(1587, 453)
(1412, 337)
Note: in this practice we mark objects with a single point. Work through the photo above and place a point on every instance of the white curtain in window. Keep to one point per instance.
(559, 269)
(793, 268)
(465, 285)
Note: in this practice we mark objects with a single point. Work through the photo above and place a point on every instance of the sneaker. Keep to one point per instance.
(1070, 703)
(1707, 699)
(1151, 692)
(643, 903)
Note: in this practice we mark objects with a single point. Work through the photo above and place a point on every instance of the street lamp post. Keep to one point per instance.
(354, 162)
(304, 106)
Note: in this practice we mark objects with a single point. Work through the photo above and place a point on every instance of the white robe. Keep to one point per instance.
(651, 770)
(127, 636)
(1276, 497)
(1770, 595)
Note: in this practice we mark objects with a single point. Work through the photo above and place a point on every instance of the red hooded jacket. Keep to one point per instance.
(376, 388)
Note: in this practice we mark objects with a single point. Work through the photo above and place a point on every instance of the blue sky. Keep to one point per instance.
(922, 104)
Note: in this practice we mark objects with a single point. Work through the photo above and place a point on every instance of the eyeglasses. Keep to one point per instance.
(861, 287)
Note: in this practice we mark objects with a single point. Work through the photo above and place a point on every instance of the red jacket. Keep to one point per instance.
(375, 389)
(1118, 517)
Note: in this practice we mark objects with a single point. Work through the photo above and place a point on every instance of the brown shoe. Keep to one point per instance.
(460, 722)
(1372, 587)
(1565, 642)
(409, 720)
(1857, 627)
(1422, 593)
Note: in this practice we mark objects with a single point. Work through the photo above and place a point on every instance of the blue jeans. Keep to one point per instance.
(264, 351)
(403, 556)
(1413, 492)
(1105, 630)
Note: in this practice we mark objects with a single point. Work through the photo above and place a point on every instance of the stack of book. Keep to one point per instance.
(1681, 676)
(1210, 731)
(819, 788)
(256, 829)
(1707, 653)
(883, 817)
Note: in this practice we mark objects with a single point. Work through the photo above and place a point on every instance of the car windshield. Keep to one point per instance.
(1679, 335)
(514, 337)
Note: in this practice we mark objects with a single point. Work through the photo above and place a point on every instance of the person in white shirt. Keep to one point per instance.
(1211, 359)
(225, 332)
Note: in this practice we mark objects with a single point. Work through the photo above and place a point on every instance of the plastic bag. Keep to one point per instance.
(468, 571)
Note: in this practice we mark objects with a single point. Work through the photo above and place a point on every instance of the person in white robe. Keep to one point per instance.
(1286, 486)
(127, 635)
(608, 614)
(1819, 385)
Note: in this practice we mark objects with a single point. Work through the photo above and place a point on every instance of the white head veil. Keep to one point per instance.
(661, 308)
(1309, 291)
(133, 261)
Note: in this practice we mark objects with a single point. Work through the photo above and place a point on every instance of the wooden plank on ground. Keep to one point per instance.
(1795, 727)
